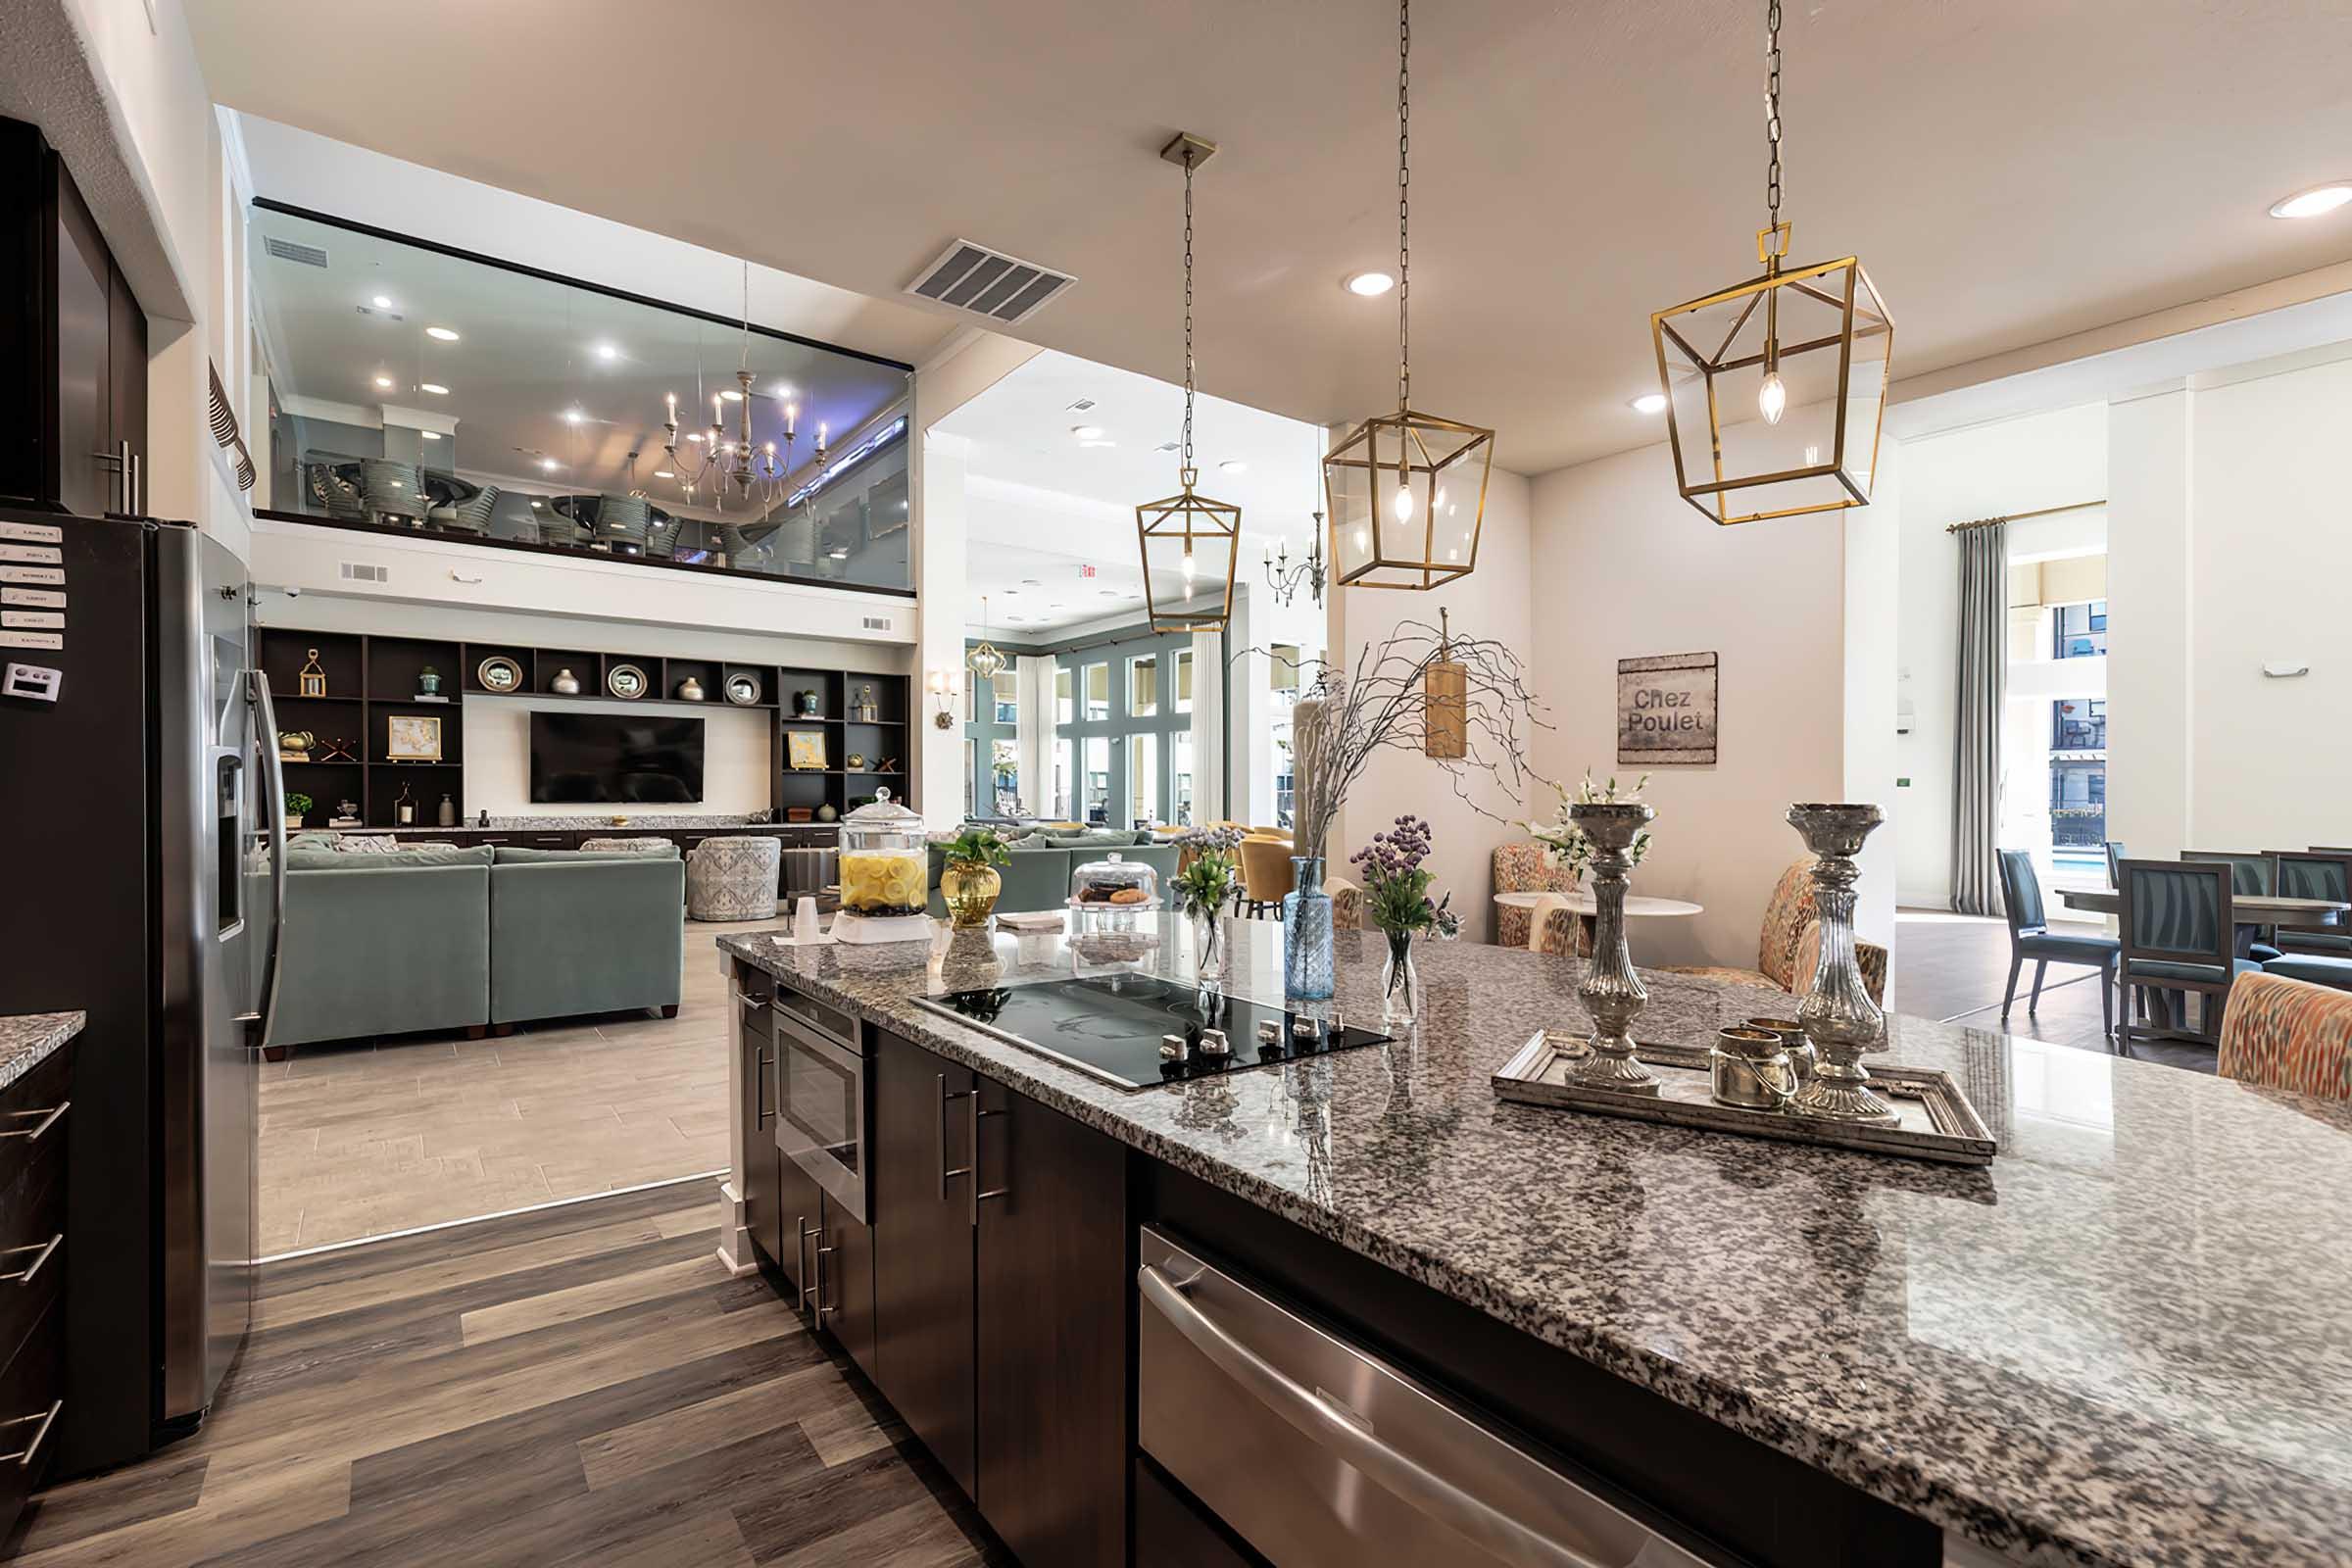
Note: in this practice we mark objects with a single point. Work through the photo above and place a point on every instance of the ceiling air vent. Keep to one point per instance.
(362, 572)
(988, 283)
(287, 250)
(877, 623)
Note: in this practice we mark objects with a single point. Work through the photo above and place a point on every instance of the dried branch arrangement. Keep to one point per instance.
(1383, 703)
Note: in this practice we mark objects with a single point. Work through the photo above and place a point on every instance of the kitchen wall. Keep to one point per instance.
(1622, 567)
(737, 756)
(1493, 602)
(2007, 466)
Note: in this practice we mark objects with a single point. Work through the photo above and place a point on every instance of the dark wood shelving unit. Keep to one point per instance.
(373, 677)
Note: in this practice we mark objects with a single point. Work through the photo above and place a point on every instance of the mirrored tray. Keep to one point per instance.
(1933, 1118)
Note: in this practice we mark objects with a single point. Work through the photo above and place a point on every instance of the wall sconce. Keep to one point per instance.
(941, 684)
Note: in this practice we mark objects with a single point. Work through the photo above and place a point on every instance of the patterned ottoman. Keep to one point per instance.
(733, 878)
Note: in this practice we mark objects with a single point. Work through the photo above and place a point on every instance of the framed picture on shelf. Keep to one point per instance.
(805, 750)
(412, 738)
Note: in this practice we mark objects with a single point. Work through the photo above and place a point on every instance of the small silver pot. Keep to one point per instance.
(1801, 1054)
(1752, 1069)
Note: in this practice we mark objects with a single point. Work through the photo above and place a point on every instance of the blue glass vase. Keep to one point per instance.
(1306, 964)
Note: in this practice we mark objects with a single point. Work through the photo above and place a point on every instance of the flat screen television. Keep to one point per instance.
(616, 758)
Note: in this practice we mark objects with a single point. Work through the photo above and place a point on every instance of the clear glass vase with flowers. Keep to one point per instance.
(1397, 883)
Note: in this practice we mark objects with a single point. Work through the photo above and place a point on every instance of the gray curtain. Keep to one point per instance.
(1977, 750)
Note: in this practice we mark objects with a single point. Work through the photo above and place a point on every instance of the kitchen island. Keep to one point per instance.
(2128, 1341)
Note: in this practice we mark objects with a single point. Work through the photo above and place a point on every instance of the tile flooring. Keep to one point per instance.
(370, 1138)
(584, 1385)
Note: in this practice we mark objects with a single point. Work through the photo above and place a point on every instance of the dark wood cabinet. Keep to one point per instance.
(921, 1201)
(799, 1224)
(763, 1195)
(35, 1124)
(1052, 1288)
(845, 1292)
(73, 344)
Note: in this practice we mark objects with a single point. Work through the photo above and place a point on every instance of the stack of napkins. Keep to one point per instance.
(1031, 920)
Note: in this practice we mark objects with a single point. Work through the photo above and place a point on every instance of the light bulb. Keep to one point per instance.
(1189, 568)
(1404, 505)
(1771, 397)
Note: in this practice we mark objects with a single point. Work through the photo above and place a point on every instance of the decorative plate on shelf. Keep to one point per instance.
(626, 681)
(499, 673)
(743, 689)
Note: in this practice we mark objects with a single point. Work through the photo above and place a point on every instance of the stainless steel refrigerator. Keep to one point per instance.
(144, 821)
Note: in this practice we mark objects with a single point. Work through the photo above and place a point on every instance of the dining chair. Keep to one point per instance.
(2030, 937)
(2286, 1034)
(1265, 874)
(2315, 874)
(2249, 872)
(2115, 856)
(1522, 868)
(622, 522)
(390, 490)
(2177, 937)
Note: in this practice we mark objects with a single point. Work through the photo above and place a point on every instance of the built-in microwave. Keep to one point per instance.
(821, 1105)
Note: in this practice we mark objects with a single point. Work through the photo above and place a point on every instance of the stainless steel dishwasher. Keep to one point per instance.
(1315, 1452)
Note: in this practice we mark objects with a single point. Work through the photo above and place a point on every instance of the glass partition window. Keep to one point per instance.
(2081, 631)
(1065, 810)
(425, 392)
(1143, 779)
(1095, 799)
(1098, 692)
(1007, 688)
(1062, 711)
(1180, 777)
(1004, 768)
(1143, 686)
(1184, 680)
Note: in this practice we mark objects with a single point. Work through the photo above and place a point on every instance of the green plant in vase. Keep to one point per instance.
(298, 806)
(1202, 889)
(1397, 883)
(968, 882)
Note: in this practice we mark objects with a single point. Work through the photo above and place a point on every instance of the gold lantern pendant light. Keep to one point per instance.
(1407, 491)
(983, 659)
(1774, 387)
(1177, 532)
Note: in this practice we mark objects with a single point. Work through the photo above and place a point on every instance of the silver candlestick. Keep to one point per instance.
(1839, 1017)
(1611, 991)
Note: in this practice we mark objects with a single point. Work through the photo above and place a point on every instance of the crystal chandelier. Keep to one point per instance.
(1407, 490)
(1286, 579)
(1180, 529)
(1775, 386)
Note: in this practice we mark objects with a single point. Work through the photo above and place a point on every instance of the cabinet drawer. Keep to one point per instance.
(35, 1115)
(833, 1024)
(548, 841)
(29, 1395)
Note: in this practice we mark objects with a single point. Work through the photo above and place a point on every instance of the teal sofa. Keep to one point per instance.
(1037, 874)
(442, 938)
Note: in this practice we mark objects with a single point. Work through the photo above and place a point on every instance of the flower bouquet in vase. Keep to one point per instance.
(1397, 883)
(1202, 889)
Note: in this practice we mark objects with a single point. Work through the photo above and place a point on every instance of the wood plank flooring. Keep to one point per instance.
(369, 1138)
(582, 1385)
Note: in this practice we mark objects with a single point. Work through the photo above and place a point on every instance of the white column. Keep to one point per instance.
(1208, 728)
(2151, 661)
(938, 580)
(1034, 735)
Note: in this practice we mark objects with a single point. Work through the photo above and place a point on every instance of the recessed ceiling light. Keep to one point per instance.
(383, 380)
(1648, 403)
(430, 435)
(606, 351)
(1367, 285)
(434, 387)
(382, 302)
(664, 473)
(1232, 466)
(1087, 433)
(2312, 202)
(446, 335)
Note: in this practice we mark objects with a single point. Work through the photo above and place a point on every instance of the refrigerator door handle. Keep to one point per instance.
(267, 1005)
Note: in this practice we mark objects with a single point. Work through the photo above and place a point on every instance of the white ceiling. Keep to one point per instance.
(2011, 170)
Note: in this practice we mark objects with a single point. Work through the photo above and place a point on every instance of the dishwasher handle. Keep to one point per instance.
(1398, 1474)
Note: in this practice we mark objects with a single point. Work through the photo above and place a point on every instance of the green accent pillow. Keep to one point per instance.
(315, 859)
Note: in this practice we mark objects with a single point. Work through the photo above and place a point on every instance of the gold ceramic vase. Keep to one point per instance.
(970, 893)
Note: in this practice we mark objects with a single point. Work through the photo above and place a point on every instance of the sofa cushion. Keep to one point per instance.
(511, 854)
(309, 860)
(664, 847)
(1095, 837)
(365, 843)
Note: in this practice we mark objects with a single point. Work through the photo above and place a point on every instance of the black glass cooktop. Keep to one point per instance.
(1111, 1027)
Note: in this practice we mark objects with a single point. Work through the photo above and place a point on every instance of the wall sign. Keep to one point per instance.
(1666, 709)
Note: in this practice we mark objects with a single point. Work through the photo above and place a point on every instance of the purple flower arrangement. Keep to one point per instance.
(1396, 881)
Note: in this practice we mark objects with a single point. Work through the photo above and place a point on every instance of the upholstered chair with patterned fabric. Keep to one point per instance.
(2287, 1034)
(1869, 957)
(1785, 917)
(1347, 903)
(733, 878)
(2178, 936)
(1565, 932)
(1520, 868)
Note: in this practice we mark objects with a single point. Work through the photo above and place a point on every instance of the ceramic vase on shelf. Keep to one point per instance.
(1306, 959)
(447, 815)
(971, 894)
(1611, 991)
(1839, 1018)
(1400, 981)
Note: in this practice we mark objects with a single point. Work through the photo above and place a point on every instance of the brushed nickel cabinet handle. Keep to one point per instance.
(944, 1095)
(24, 1457)
(801, 1256)
(822, 1305)
(972, 1209)
(759, 1104)
(23, 1276)
(48, 1120)
(750, 1003)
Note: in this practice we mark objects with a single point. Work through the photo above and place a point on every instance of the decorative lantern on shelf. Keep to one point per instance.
(1445, 710)
(1188, 533)
(1407, 490)
(310, 679)
(1775, 386)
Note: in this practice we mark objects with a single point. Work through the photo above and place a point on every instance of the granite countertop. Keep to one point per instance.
(28, 1038)
(2126, 1341)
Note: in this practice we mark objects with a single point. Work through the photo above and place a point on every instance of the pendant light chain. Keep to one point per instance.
(1404, 205)
(1772, 110)
(1188, 468)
